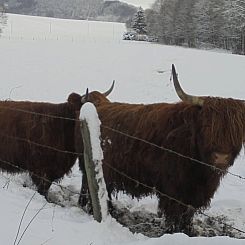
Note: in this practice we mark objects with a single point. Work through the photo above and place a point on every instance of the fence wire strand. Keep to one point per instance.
(116, 131)
(38, 176)
(154, 190)
(114, 169)
(176, 153)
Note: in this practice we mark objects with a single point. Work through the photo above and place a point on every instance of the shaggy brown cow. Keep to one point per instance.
(25, 126)
(40, 138)
(208, 129)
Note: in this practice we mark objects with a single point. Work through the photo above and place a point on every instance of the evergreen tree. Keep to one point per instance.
(190, 35)
(152, 18)
(139, 22)
(167, 21)
(202, 20)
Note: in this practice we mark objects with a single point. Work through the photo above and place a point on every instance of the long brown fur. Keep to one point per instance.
(188, 129)
(18, 126)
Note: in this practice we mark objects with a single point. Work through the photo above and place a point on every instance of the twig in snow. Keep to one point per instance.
(46, 241)
(53, 219)
(6, 185)
(23, 233)
(22, 217)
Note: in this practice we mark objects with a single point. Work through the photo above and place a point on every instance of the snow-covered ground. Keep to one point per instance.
(45, 59)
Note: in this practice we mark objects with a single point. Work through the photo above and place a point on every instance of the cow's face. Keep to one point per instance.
(221, 126)
(75, 101)
(221, 133)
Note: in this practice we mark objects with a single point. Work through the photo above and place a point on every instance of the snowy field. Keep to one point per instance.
(45, 59)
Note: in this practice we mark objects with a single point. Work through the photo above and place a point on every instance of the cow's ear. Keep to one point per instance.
(75, 100)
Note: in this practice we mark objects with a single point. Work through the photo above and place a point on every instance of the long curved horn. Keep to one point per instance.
(183, 96)
(110, 89)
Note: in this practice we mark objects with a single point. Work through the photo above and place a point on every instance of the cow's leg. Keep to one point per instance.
(186, 224)
(85, 199)
(181, 222)
(178, 218)
(109, 203)
(42, 184)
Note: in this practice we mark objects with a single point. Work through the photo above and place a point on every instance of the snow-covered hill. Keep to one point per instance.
(44, 59)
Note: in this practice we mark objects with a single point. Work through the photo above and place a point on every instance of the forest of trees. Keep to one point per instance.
(74, 9)
(192, 23)
(199, 23)
(55, 8)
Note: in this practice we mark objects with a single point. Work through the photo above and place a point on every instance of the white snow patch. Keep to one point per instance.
(89, 113)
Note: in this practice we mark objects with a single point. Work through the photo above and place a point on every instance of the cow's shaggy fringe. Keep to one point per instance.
(227, 120)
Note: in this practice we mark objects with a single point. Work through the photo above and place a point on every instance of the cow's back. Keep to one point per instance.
(130, 136)
(33, 136)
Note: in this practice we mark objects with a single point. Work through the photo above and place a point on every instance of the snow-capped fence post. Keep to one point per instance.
(93, 155)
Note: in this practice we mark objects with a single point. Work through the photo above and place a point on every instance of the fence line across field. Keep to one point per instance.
(121, 173)
(36, 175)
(214, 168)
(58, 29)
(93, 39)
(175, 152)
(154, 190)
(72, 39)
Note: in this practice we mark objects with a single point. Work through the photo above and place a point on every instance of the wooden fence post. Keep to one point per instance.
(90, 171)
(93, 157)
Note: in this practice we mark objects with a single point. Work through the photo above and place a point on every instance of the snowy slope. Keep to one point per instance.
(45, 59)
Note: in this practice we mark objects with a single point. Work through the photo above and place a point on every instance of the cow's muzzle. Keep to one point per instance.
(221, 160)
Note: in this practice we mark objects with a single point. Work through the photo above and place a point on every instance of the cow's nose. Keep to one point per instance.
(221, 158)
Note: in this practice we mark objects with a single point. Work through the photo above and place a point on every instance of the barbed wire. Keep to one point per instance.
(188, 206)
(38, 176)
(214, 168)
(42, 145)
(126, 135)
(37, 113)
(154, 190)
(174, 152)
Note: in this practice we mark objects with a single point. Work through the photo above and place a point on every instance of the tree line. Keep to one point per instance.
(74, 9)
(199, 23)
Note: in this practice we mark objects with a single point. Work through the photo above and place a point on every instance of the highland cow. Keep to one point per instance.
(39, 138)
(208, 129)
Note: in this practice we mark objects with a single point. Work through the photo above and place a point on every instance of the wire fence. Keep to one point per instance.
(188, 206)
(42, 29)
(57, 38)
(153, 189)
(214, 168)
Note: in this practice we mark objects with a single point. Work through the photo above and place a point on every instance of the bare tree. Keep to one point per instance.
(219, 23)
